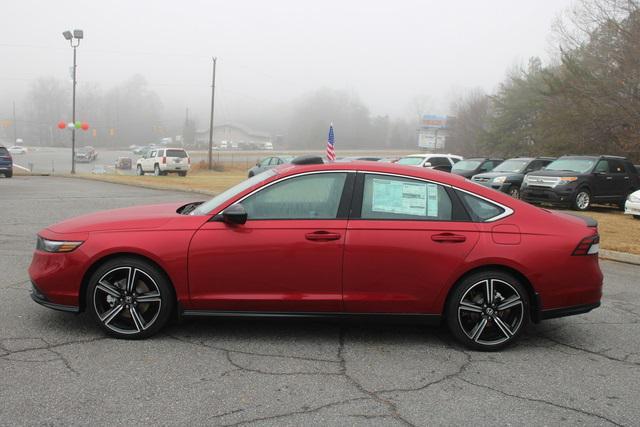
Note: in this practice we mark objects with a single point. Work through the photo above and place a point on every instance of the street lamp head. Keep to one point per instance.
(67, 35)
(78, 34)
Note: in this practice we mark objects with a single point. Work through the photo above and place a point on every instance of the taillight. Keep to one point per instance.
(164, 160)
(588, 246)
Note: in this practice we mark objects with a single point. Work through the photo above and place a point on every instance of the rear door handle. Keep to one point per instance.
(322, 236)
(448, 238)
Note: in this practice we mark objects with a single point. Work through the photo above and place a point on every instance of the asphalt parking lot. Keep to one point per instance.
(60, 369)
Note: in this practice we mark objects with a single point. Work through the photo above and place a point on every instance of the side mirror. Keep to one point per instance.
(427, 165)
(235, 215)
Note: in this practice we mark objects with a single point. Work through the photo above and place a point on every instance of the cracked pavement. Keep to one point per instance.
(59, 368)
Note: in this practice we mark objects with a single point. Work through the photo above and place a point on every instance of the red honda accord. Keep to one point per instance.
(350, 239)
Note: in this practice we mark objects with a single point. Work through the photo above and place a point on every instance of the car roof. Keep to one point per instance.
(604, 156)
(432, 155)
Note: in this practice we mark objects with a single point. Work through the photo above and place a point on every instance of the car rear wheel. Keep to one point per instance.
(8, 174)
(636, 216)
(182, 173)
(488, 311)
(139, 170)
(129, 298)
(582, 200)
(156, 170)
(514, 192)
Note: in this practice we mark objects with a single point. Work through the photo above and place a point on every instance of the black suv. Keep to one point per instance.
(508, 175)
(6, 162)
(473, 166)
(578, 181)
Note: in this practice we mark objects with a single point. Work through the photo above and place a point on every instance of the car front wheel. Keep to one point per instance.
(129, 298)
(156, 170)
(488, 311)
(139, 170)
(582, 200)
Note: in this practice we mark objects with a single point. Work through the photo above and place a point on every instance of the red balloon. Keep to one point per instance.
(85, 126)
(62, 125)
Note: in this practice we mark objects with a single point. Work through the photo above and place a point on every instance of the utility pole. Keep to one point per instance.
(15, 125)
(213, 95)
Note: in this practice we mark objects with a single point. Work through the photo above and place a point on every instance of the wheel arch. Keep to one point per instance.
(84, 284)
(534, 303)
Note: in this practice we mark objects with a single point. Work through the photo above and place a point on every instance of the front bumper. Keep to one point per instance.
(41, 299)
(554, 196)
(632, 208)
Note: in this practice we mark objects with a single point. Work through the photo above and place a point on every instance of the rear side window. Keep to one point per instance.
(176, 153)
(480, 209)
(390, 197)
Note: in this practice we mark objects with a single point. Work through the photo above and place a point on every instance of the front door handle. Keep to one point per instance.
(322, 236)
(448, 238)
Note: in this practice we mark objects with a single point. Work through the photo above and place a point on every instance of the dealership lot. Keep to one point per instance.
(59, 368)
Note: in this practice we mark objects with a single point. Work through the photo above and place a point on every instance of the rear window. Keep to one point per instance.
(3, 151)
(176, 153)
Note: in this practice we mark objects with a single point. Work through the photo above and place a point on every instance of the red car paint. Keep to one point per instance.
(369, 266)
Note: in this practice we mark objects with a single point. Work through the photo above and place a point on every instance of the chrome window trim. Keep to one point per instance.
(507, 210)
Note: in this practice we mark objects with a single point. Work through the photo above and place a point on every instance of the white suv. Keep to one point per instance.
(162, 161)
(441, 162)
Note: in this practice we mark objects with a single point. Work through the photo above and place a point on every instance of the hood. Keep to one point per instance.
(555, 173)
(134, 218)
(492, 175)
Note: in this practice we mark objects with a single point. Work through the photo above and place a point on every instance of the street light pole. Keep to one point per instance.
(77, 35)
(73, 116)
(213, 95)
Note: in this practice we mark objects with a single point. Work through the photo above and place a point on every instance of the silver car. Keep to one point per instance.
(268, 163)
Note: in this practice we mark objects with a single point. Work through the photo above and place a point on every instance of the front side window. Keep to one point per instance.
(314, 196)
(602, 167)
(390, 197)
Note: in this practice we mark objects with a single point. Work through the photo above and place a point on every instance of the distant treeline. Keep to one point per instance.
(587, 102)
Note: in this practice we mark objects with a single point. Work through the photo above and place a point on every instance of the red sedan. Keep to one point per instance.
(342, 240)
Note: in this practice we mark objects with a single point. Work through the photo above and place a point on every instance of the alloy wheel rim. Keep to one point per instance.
(127, 300)
(582, 200)
(490, 312)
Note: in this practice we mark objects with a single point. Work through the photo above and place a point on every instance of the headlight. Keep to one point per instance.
(635, 198)
(567, 179)
(56, 245)
(499, 179)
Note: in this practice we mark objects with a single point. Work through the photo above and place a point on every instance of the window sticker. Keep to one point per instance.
(398, 197)
(432, 197)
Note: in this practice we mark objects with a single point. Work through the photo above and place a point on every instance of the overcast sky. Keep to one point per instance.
(269, 52)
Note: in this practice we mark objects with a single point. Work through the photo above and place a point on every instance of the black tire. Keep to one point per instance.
(183, 174)
(118, 307)
(514, 191)
(156, 170)
(581, 200)
(8, 174)
(636, 216)
(479, 330)
(139, 170)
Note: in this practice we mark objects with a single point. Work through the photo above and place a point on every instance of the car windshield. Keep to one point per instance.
(572, 165)
(228, 194)
(466, 165)
(176, 153)
(513, 166)
(410, 161)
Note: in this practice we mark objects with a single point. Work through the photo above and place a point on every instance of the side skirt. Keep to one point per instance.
(429, 319)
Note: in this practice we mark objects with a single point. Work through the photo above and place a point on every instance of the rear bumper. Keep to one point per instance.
(568, 311)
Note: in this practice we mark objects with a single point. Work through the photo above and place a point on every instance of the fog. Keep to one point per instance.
(390, 55)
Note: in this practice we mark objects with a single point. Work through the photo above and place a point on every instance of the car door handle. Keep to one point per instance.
(448, 238)
(322, 236)
(609, 178)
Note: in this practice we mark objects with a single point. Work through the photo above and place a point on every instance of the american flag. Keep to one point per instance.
(331, 153)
